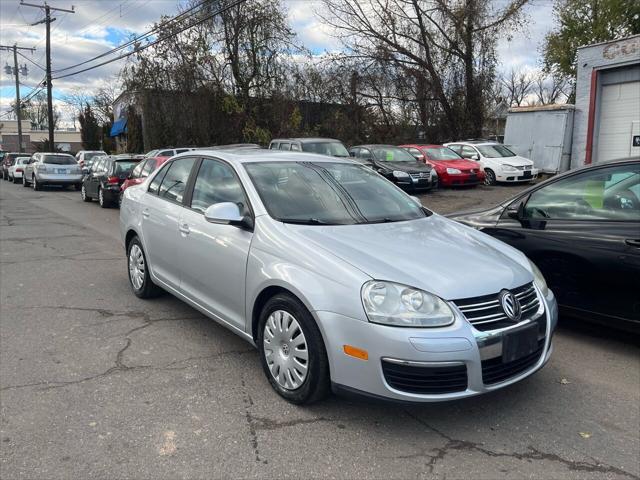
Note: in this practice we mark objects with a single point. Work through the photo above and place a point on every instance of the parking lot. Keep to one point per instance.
(96, 383)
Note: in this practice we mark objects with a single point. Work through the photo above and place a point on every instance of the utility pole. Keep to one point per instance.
(47, 20)
(17, 71)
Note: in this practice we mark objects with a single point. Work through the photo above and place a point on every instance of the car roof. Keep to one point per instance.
(306, 140)
(247, 155)
(371, 145)
(424, 145)
(476, 142)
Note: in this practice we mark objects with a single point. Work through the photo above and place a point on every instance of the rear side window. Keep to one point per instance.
(166, 153)
(174, 182)
(285, 146)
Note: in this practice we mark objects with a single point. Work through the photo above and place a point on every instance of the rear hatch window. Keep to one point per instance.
(59, 160)
(124, 167)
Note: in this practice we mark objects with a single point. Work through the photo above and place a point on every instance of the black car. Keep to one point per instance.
(103, 179)
(8, 160)
(321, 146)
(582, 229)
(397, 165)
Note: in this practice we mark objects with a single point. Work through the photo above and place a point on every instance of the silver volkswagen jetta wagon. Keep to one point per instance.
(340, 279)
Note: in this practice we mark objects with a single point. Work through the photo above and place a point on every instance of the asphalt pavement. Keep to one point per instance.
(96, 383)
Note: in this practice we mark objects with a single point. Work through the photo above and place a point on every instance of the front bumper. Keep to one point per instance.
(461, 179)
(517, 176)
(459, 346)
(413, 184)
(59, 179)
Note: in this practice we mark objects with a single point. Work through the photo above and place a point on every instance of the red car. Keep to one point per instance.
(141, 172)
(452, 169)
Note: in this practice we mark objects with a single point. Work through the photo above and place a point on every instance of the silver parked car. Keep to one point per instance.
(52, 169)
(338, 277)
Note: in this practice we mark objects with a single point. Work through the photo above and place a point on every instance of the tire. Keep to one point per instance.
(83, 194)
(24, 181)
(13, 180)
(34, 183)
(489, 177)
(120, 200)
(287, 353)
(138, 273)
(101, 200)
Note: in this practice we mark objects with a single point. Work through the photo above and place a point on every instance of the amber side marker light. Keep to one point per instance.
(355, 352)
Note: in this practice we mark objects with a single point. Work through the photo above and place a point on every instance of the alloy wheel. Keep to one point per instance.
(489, 177)
(101, 197)
(83, 193)
(136, 267)
(285, 350)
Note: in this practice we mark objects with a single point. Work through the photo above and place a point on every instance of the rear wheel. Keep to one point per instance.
(101, 200)
(489, 177)
(292, 351)
(139, 277)
(83, 194)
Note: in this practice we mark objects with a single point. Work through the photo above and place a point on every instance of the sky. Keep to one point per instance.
(99, 25)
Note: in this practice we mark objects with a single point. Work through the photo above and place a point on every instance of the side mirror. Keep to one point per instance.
(352, 154)
(225, 213)
(416, 199)
(85, 170)
(475, 157)
(516, 212)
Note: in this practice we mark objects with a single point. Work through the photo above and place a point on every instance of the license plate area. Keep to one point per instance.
(62, 170)
(527, 174)
(519, 343)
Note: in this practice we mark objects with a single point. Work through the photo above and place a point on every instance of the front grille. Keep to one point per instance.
(419, 379)
(421, 175)
(486, 313)
(495, 371)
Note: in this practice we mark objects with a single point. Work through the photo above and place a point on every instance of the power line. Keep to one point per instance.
(137, 50)
(186, 14)
(29, 60)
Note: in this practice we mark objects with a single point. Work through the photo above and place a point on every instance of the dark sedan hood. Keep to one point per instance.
(406, 166)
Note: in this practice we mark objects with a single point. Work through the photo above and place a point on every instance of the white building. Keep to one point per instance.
(607, 109)
(66, 140)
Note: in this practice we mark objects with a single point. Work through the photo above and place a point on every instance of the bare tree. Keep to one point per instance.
(551, 89)
(517, 85)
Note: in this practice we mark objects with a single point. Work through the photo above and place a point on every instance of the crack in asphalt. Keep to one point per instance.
(439, 453)
(253, 435)
(263, 423)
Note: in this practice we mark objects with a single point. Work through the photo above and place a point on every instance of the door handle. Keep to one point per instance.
(184, 228)
(145, 213)
(633, 242)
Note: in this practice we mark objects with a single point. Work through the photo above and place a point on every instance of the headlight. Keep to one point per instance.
(539, 280)
(434, 174)
(402, 306)
(399, 174)
(509, 168)
(453, 171)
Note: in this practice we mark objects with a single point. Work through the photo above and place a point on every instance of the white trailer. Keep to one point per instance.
(542, 134)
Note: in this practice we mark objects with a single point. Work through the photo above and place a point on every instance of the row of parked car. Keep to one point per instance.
(344, 282)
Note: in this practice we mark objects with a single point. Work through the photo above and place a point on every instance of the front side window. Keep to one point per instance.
(216, 183)
(603, 194)
(392, 154)
(495, 151)
(329, 193)
(285, 146)
(468, 152)
(274, 146)
(149, 167)
(175, 180)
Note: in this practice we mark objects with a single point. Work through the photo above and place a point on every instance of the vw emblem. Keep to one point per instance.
(423, 175)
(510, 305)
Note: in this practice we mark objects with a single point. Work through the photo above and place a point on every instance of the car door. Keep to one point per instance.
(214, 256)
(583, 231)
(161, 211)
(93, 177)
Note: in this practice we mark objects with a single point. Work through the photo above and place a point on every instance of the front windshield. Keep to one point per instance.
(329, 194)
(495, 151)
(392, 154)
(334, 149)
(442, 153)
(59, 160)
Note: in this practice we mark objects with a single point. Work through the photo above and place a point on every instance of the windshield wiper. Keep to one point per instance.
(305, 221)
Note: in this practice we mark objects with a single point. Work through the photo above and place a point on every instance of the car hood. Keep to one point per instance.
(434, 254)
(405, 166)
(459, 164)
(516, 161)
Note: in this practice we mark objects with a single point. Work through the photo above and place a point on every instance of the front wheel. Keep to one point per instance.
(35, 184)
(24, 181)
(292, 351)
(139, 277)
(489, 177)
